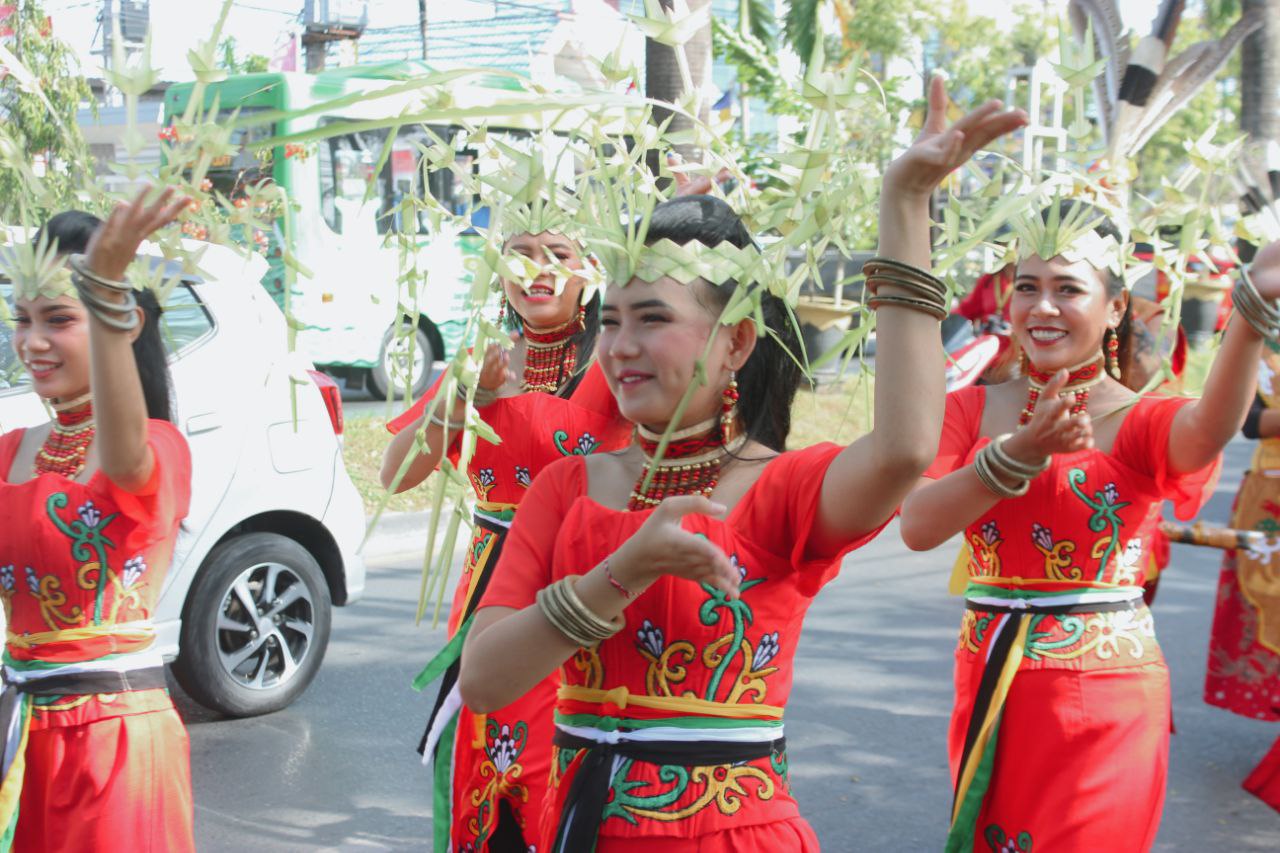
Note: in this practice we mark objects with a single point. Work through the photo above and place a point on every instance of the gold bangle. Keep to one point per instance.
(982, 466)
(877, 277)
(909, 269)
(1004, 463)
(562, 607)
(80, 265)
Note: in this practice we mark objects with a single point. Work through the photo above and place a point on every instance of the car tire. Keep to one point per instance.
(382, 380)
(243, 665)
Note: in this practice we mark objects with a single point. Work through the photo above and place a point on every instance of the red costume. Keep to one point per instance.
(501, 761)
(669, 734)
(1060, 732)
(98, 758)
(1243, 674)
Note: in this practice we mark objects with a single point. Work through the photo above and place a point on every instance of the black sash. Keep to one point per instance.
(584, 804)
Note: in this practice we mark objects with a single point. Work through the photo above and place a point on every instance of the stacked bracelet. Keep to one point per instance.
(121, 316)
(483, 396)
(570, 616)
(1259, 312)
(925, 291)
(996, 469)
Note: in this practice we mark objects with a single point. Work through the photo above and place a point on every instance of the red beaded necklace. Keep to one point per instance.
(691, 464)
(550, 357)
(1080, 379)
(67, 445)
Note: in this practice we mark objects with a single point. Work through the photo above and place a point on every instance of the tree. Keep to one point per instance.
(1259, 66)
(38, 103)
(662, 79)
(251, 64)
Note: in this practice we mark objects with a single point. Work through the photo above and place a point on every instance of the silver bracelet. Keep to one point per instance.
(121, 316)
(79, 264)
(455, 426)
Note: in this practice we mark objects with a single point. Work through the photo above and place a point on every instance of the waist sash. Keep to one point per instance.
(732, 734)
(120, 674)
(1004, 654)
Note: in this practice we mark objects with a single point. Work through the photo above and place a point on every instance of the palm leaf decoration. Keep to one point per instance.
(800, 26)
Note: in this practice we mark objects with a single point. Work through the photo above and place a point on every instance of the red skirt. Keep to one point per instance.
(118, 783)
(1080, 762)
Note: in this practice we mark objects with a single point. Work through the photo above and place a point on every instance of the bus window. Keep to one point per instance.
(347, 166)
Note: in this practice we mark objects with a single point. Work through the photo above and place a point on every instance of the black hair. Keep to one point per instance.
(768, 381)
(584, 340)
(1112, 283)
(71, 230)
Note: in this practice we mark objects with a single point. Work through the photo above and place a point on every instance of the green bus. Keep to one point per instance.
(349, 313)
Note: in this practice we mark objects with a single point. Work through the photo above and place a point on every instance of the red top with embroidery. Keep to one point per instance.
(684, 642)
(1079, 524)
(536, 430)
(57, 538)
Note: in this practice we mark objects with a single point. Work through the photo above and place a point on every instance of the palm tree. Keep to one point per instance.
(662, 74)
(1259, 66)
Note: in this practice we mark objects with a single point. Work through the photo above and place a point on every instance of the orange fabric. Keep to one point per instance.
(1092, 688)
(506, 755)
(119, 783)
(52, 579)
(684, 639)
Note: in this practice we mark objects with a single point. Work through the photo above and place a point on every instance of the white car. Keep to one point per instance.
(270, 543)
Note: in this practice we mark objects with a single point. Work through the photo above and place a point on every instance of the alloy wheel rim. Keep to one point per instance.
(266, 620)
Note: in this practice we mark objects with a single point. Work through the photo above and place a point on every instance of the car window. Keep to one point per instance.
(185, 319)
(184, 322)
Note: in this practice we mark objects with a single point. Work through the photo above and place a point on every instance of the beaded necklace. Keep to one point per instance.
(1080, 379)
(67, 445)
(690, 466)
(550, 357)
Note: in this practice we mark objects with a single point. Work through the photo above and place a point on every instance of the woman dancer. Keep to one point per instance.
(1071, 754)
(670, 732)
(1243, 675)
(96, 756)
(490, 784)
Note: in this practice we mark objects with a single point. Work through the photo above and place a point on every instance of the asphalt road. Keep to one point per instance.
(866, 725)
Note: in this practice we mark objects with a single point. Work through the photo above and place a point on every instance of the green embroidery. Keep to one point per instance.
(623, 800)
(87, 541)
(999, 842)
(585, 446)
(740, 613)
(1073, 626)
(1105, 505)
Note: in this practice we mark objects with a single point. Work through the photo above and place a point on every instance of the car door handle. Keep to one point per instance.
(206, 422)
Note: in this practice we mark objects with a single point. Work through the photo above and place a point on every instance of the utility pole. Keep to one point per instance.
(320, 27)
(422, 26)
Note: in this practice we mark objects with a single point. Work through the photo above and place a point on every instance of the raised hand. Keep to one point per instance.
(1053, 429)
(115, 244)
(939, 150)
(662, 547)
(495, 370)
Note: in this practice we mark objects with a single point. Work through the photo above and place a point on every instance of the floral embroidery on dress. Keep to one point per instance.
(1129, 563)
(133, 569)
(523, 479)
(1106, 505)
(999, 842)
(984, 548)
(503, 746)
(1058, 564)
(7, 583)
(483, 481)
(584, 446)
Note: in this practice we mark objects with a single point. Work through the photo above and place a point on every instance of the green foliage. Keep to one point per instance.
(39, 119)
(251, 64)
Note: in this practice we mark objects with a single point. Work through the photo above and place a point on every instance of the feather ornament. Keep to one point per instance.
(1103, 17)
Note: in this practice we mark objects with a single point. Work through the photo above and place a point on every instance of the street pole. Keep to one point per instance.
(422, 26)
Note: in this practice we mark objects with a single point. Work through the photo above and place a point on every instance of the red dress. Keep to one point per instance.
(81, 568)
(502, 760)
(1060, 732)
(687, 700)
(1243, 675)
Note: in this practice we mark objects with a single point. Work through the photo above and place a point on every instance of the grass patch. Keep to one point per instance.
(837, 412)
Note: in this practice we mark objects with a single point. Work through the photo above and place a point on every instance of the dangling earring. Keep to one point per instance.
(728, 408)
(1024, 363)
(502, 309)
(1112, 344)
(582, 317)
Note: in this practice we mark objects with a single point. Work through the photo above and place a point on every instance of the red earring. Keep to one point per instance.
(1113, 352)
(728, 407)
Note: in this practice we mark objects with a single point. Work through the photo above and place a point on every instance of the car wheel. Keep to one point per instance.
(255, 626)
(401, 353)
